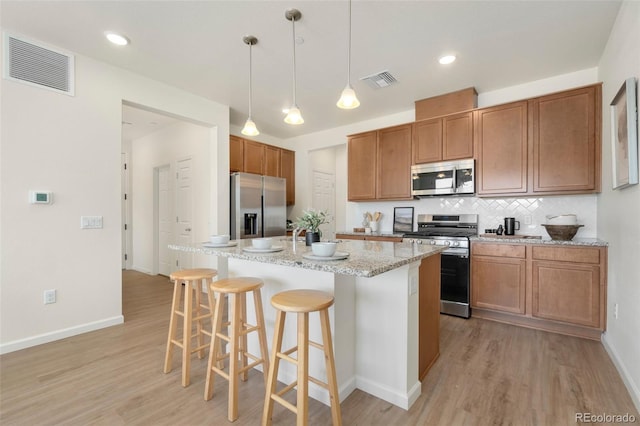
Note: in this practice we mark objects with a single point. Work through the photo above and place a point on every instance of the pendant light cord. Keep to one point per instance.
(250, 79)
(293, 22)
(349, 50)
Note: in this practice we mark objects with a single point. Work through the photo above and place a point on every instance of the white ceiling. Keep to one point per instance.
(197, 46)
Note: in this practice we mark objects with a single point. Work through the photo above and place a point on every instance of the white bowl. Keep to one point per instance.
(323, 249)
(562, 219)
(219, 239)
(262, 243)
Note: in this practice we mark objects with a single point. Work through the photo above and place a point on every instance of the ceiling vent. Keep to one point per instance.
(380, 80)
(29, 63)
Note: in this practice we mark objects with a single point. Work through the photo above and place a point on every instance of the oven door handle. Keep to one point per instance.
(463, 253)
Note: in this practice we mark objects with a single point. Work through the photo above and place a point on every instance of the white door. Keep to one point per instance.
(166, 258)
(184, 210)
(324, 198)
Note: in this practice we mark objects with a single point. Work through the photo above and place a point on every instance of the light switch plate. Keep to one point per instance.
(90, 222)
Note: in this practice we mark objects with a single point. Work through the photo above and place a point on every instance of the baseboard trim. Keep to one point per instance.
(402, 400)
(632, 387)
(40, 339)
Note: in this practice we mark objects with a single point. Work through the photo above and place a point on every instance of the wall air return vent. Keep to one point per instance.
(27, 62)
(379, 80)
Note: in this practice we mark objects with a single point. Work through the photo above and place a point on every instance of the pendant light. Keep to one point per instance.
(294, 116)
(250, 128)
(348, 99)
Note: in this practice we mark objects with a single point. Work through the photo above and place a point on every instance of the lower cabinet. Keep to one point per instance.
(428, 314)
(554, 288)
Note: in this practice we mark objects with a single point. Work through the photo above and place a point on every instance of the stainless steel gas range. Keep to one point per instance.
(453, 232)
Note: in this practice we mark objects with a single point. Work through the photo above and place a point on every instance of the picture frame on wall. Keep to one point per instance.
(402, 219)
(624, 135)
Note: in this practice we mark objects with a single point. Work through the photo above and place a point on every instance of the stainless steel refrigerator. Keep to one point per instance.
(258, 206)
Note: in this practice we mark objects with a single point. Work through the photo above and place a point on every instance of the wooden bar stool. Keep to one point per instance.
(301, 302)
(192, 280)
(238, 328)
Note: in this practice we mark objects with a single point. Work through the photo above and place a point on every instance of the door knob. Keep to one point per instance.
(188, 229)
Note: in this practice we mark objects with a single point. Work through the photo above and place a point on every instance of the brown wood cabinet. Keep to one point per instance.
(442, 139)
(566, 141)
(501, 147)
(369, 237)
(498, 276)
(362, 155)
(429, 314)
(236, 154)
(554, 288)
(569, 288)
(288, 171)
(262, 159)
(253, 157)
(394, 163)
(547, 145)
(271, 161)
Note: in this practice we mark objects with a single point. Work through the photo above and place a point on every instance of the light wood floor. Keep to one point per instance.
(488, 374)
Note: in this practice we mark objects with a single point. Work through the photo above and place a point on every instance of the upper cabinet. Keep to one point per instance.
(442, 139)
(236, 154)
(566, 141)
(362, 153)
(258, 158)
(548, 145)
(379, 164)
(501, 139)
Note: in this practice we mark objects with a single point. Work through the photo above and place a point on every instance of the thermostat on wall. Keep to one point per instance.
(40, 197)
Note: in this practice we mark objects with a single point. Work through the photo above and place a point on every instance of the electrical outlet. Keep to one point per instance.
(49, 296)
(615, 311)
(413, 285)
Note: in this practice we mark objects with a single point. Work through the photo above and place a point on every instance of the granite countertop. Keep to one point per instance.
(372, 234)
(366, 258)
(544, 240)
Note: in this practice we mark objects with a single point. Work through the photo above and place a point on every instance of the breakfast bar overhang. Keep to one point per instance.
(374, 320)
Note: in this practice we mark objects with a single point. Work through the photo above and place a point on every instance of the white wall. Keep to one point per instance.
(166, 147)
(618, 211)
(72, 146)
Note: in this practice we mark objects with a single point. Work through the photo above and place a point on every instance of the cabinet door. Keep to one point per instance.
(498, 283)
(253, 157)
(501, 134)
(288, 171)
(361, 153)
(566, 141)
(457, 136)
(427, 141)
(236, 154)
(271, 161)
(567, 292)
(394, 163)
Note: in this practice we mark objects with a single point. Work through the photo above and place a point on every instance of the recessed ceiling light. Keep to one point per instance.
(447, 59)
(116, 38)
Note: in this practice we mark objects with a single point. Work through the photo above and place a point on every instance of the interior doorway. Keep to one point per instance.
(163, 189)
(324, 199)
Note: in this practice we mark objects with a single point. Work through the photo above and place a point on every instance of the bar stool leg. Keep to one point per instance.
(242, 344)
(273, 370)
(214, 348)
(186, 333)
(262, 334)
(302, 397)
(233, 358)
(173, 326)
(197, 287)
(332, 383)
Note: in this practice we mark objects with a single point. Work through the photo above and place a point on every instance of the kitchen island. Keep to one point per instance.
(375, 318)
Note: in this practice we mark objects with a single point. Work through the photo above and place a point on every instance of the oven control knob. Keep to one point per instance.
(447, 243)
(433, 242)
(456, 243)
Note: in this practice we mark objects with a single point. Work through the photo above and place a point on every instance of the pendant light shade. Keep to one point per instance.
(250, 128)
(348, 98)
(294, 116)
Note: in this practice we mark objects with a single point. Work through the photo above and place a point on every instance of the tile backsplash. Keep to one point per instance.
(492, 211)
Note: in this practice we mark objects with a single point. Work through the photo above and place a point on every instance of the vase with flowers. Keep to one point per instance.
(310, 221)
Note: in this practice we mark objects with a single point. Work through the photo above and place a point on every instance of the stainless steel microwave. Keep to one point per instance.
(447, 178)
